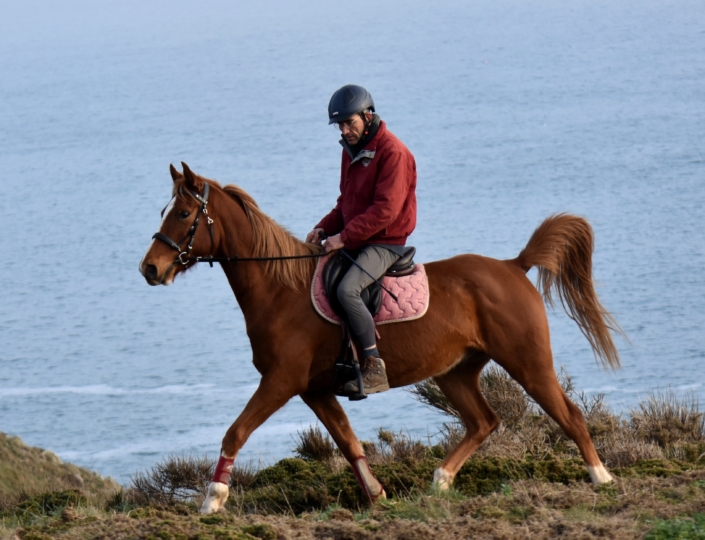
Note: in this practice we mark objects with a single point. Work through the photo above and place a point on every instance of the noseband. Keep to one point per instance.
(183, 256)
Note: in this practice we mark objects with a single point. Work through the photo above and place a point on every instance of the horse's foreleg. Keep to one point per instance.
(333, 417)
(267, 399)
(461, 386)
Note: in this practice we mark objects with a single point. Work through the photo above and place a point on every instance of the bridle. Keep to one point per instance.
(184, 256)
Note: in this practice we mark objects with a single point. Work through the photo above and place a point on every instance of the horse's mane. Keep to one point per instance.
(269, 239)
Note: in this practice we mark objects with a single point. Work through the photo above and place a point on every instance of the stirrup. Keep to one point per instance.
(360, 394)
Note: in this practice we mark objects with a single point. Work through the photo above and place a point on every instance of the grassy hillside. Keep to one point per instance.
(27, 471)
(526, 481)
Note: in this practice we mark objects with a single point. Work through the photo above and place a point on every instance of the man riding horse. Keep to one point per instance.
(374, 215)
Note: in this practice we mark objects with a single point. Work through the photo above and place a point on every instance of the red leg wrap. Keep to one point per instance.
(223, 470)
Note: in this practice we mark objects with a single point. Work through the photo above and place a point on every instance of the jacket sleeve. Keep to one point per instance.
(390, 193)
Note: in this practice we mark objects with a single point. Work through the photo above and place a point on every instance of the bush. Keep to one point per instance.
(665, 420)
(180, 479)
(313, 445)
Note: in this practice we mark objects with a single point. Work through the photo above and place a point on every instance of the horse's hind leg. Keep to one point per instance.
(461, 386)
(536, 375)
(333, 417)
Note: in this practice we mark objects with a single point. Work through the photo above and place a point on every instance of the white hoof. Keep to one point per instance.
(217, 495)
(442, 479)
(599, 475)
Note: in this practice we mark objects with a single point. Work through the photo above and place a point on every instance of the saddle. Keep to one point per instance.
(337, 267)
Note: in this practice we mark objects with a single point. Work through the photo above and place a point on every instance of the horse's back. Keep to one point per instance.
(484, 278)
(496, 294)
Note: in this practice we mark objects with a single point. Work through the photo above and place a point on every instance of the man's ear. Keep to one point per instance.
(175, 175)
(193, 181)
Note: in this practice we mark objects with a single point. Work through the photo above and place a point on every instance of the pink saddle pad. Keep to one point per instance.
(412, 291)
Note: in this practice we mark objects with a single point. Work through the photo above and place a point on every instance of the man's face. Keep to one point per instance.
(353, 128)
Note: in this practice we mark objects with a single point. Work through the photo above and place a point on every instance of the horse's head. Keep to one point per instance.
(180, 235)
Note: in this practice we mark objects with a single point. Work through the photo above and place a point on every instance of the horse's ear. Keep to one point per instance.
(193, 181)
(175, 175)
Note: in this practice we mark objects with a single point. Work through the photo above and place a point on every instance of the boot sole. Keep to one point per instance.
(374, 390)
(377, 389)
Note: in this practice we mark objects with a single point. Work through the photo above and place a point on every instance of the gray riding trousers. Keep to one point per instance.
(376, 260)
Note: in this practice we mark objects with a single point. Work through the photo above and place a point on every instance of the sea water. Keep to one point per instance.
(514, 111)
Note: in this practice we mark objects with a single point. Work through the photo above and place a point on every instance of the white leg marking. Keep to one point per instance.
(442, 479)
(372, 485)
(217, 495)
(599, 475)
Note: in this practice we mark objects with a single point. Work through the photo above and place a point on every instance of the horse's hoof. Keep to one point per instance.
(442, 479)
(599, 475)
(381, 497)
(217, 495)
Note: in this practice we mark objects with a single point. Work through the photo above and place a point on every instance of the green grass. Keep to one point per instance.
(679, 529)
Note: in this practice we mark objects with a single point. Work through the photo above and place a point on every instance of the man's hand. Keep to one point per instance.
(333, 243)
(315, 236)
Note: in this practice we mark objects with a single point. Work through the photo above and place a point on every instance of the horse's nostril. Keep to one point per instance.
(150, 272)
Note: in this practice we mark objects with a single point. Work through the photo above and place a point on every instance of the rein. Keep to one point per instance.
(184, 256)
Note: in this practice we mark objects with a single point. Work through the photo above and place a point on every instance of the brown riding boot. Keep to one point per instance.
(374, 377)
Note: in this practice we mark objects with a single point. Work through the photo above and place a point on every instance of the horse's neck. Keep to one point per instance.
(254, 291)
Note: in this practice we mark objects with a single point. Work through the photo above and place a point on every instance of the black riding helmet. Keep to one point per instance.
(347, 101)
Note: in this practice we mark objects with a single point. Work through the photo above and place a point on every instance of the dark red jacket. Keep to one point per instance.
(377, 202)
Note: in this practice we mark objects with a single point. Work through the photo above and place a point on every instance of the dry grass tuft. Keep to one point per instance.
(504, 395)
(428, 393)
(176, 479)
(664, 419)
(395, 448)
(314, 445)
(180, 479)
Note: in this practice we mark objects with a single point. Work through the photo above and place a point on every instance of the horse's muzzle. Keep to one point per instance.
(150, 273)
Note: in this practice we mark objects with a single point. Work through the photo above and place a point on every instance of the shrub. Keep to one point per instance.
(665, 419)
(313, 445)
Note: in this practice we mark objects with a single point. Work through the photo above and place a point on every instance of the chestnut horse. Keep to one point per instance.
(480, 309)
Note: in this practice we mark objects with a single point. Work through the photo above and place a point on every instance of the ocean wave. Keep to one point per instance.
(106, 390)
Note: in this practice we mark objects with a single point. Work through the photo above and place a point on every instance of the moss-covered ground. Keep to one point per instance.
(526, 481)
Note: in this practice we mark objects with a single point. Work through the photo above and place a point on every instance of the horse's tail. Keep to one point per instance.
(562, 248)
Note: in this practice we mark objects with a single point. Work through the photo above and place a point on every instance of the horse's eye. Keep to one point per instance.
(184, 214)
